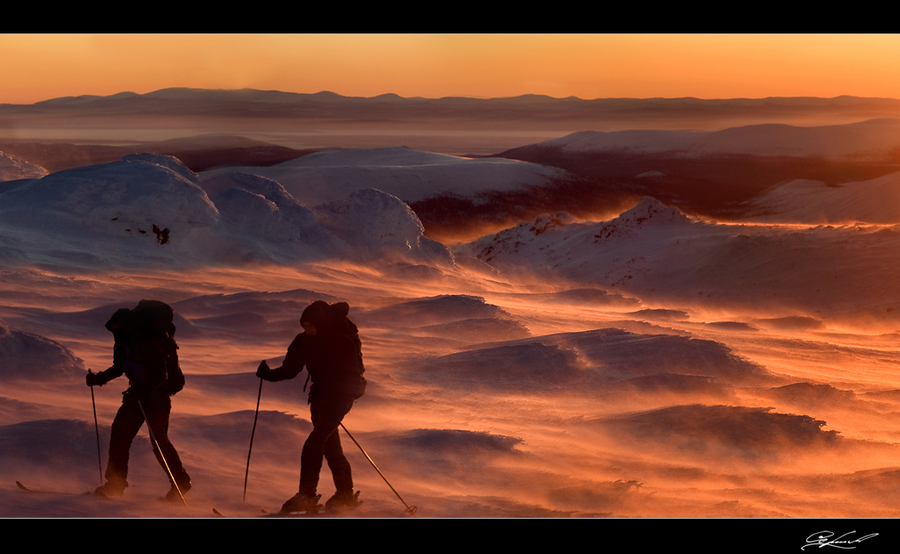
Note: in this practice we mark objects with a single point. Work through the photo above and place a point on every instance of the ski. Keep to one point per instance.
(280, 514)
(316, 511)
(42, 491)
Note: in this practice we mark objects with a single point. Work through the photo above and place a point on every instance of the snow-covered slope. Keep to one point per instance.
(259, 211)
(379, 225)
(814, 202)
(408, 174)
(130, 196)
(152, 209)
(33, 357)
(560, 241)
(655, 253)
(866, 139)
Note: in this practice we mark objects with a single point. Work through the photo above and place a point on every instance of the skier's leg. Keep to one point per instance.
(158, 408)
(337, 462)
(125, 427)
(326, 416)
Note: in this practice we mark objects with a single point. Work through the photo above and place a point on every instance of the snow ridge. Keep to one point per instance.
(148, 208)
(12, 168)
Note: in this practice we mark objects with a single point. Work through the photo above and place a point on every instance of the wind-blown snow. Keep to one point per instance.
(652, 364)
(13, 168)
(658, 254)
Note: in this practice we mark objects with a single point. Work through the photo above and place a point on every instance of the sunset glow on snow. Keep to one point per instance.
(678, 302)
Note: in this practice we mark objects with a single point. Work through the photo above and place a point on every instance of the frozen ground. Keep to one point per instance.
(649, 365)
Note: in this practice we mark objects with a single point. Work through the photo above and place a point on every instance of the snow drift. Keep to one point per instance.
(150, 209)
(406, 173)
(588, 362)
(724, 431)
(656, 253)
(28, 356)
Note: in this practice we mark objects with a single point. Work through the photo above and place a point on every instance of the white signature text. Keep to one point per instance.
(827, 538)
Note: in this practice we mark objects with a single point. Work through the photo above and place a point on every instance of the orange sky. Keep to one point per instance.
(37, 67)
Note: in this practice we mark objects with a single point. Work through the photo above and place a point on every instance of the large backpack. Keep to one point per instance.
(338, 343)
(353, 377)
(146, 335)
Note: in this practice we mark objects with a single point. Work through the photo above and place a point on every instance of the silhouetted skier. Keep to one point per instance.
(331, 351)
(146, 352)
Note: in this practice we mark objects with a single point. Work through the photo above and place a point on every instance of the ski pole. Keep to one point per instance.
(97, 428)
(410, 510)
(161, 456)
(252, 433)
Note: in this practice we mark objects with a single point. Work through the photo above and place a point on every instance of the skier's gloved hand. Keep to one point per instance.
(263, 370)
(93, 379)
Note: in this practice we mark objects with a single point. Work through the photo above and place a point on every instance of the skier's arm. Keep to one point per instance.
(293, 364)
(112, 372)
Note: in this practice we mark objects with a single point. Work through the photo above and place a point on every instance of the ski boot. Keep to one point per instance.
(173, 495)
(302, 503)
(342, 501)
(113, 488)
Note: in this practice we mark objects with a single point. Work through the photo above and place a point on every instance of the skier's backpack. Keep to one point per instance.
(148, 340)
(340, 345)
(355, 381)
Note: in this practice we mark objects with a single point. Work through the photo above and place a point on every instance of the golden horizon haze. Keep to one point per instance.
(39, 67)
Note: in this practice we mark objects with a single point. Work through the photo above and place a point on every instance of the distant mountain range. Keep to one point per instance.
(519, 112)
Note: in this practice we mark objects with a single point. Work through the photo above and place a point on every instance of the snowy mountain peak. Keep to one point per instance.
(555, 233)
(652, 211)
(649, 213)
(547, 222)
